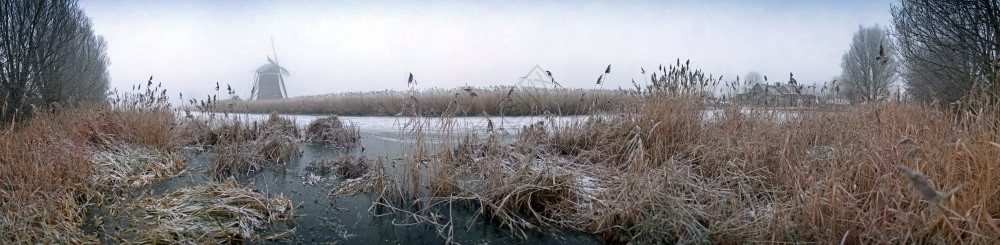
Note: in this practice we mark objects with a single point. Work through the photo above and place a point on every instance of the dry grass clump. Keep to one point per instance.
(240, 146)
(279, 139)
(132, 166)
(332, 131)
(372, 179)
(353, 167)
(323, 166)
(349, 167)
(536, 194)
(216, 213)
(253, 149)
(237, 158)
(282, 125)
(496, 100)
(191, 132)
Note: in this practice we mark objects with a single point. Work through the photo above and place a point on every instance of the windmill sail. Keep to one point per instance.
(281, 79)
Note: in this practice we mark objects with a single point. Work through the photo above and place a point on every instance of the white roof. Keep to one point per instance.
(538, 77)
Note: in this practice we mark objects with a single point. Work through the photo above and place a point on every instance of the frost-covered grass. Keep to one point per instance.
(332, 131)
(65, 158)
(222, 212)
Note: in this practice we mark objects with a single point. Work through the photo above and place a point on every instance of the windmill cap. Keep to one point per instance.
(271, 68)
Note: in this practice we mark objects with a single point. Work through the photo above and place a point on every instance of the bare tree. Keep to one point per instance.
(750, 79)
(948, 46)
(868, 66)
(48, 53)
(753, 77)
(828, 91)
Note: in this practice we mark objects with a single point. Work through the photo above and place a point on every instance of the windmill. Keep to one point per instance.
(269, 81)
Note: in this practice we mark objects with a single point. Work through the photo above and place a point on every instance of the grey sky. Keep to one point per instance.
(335, 46)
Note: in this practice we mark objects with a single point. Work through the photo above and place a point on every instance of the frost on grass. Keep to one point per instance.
(371, 178)
(243, 147)
(597, 176)
(214, 213)
(349, 167)
(332, 131)
(133, 166)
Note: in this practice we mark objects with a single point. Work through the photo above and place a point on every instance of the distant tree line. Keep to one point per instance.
(948, 48)
(48, 54)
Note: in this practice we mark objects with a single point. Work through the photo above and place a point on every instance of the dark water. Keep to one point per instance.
(347, 220)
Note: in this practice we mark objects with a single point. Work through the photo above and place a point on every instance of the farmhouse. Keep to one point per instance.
(776, 95)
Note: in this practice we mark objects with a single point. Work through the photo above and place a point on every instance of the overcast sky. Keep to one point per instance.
(337, 46)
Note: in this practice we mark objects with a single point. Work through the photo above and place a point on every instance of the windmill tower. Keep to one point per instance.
(269, 81)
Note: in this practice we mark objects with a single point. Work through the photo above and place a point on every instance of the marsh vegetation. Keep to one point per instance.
(668, 160)
(666, 168)
(662, 172)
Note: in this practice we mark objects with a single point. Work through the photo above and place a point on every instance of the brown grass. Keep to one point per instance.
(373, 179)
(332, 131)
(215, 213)
(659, 172)
(241, 146)
(347, 166)
(131, 166)
(497, 100)
(663, 173)
(55, 163)
(63, 160)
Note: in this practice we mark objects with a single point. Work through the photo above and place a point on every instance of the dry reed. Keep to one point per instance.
(216, 213)
(332, 131)
(53, 161)
(347, 166)
(240, 146)
(131, 166)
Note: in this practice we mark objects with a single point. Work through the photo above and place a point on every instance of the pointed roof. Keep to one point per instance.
(778, 88)
(538, 77)
(272, 67)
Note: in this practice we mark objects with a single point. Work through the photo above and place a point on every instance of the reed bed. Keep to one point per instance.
(222, 212)
(467, 101)
(664, 172)
(331, 131)
(240, 146)
(54, 162)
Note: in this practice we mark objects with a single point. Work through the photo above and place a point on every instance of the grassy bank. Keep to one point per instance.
(493, 101)
(63, 162)
(889, 172)
(659, 171)
(58, 162)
